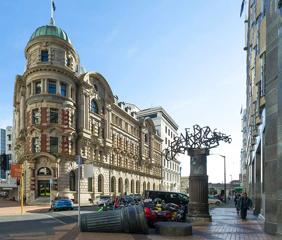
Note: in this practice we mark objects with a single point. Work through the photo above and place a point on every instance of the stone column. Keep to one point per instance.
(22, 109)
(82, 110)
(258, 192)
(58, 87)
(45, 85)
(198, 208)
(86, 102)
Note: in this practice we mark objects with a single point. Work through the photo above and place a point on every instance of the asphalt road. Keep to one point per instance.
(38, 225)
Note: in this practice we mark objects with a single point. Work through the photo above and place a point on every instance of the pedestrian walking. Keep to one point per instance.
(244, 204)
(236, 202)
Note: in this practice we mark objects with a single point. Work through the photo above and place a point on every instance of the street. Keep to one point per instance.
(39, 223)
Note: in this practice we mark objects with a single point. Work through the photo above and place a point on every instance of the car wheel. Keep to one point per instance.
(71, 208)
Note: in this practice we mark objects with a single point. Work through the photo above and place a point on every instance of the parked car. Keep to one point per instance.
(214, 200)
(62, 203)
(137, 197)
(168, 197)
(101, 200)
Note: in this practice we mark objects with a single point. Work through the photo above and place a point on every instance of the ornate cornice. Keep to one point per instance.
(51, 68)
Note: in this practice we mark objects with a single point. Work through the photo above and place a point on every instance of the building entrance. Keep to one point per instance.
(43, 188)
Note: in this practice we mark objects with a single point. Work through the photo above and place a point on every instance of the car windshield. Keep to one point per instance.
(212, 197)
(62, 198)
(105, 197)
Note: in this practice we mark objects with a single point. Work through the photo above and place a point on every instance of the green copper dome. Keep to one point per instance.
(50, 30)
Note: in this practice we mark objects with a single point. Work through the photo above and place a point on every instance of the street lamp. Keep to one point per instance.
(224, 173)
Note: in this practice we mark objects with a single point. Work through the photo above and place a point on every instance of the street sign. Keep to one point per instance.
(16, 170)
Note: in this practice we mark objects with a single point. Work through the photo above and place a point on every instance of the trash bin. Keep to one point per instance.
(129, 219)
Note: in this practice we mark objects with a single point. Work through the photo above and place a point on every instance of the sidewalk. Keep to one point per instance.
(225, 225)
(12, 208)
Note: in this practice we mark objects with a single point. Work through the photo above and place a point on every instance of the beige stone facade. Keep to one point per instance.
(61, 111)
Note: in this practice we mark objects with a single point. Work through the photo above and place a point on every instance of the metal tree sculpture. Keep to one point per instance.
(198, 138)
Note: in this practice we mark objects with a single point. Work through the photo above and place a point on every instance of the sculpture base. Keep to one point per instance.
(199, 219)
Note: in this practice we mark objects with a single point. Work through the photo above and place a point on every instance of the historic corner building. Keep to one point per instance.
(61, 111)
(261, 155)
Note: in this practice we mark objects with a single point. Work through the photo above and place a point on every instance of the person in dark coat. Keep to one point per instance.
(244, 204)
(236, 201)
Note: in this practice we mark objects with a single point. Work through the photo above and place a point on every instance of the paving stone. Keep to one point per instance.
(173, 228)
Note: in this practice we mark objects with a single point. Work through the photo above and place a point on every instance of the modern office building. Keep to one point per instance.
(6, 151)
(167, 130)
(262, 135)
(61, 111)
(2, 141)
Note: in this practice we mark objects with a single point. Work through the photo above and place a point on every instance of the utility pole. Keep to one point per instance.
(78, 158)
(224, 178)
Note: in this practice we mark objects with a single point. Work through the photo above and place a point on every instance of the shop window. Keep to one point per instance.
(90, 184)
(72, 181)
(113, 184)
(120, 185)
(100, 183)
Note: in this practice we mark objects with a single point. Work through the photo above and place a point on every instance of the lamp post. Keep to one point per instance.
(224, 173)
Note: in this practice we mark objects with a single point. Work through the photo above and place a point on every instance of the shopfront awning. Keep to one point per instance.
(238, 189)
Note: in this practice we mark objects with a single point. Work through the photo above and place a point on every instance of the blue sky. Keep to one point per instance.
(186, 56)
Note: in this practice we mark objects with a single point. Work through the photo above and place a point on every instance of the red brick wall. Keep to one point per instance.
(43, 143)
(28, 118)
(43, 115)
(65, 145)
(65, 118)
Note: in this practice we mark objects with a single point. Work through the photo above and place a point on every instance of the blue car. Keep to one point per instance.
(62, 203)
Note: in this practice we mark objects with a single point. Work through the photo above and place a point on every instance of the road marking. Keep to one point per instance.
(60, 221)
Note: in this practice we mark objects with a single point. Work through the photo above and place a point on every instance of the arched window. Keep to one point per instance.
(154, 186)
(100, 183)
(72, 181)
(113, 184)
(144, 186)
(148, 186)
(120, 185)
(44, 171)
(137, 186)
(126, 183)
(94, 106)
(132, 186)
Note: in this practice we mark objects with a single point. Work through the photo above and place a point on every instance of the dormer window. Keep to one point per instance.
(44, 56)
(94, 106)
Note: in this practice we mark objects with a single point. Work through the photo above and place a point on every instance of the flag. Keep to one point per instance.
(88, 171)
(53, 5)
(242, 7)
